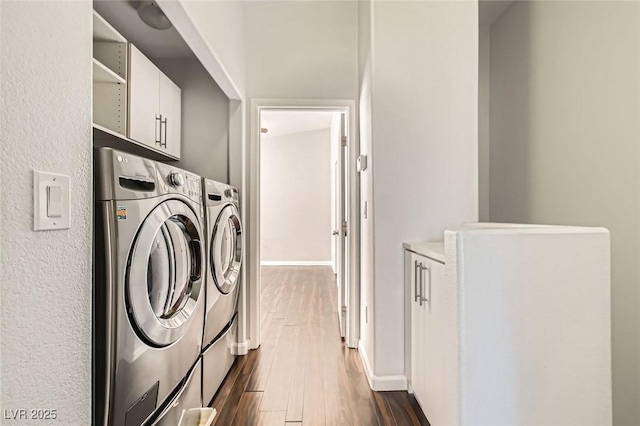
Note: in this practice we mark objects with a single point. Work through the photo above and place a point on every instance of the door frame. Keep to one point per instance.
(252, 212)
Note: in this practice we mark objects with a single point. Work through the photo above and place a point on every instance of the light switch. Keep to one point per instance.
(54, 201)
(50, 201)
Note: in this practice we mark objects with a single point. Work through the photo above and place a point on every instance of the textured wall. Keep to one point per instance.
(565, 108)
(45, 317)
(295, 197)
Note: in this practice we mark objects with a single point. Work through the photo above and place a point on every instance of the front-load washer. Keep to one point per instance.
(148, 298)
(224, 258)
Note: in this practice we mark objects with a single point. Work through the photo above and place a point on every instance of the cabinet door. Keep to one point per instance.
(415, 368)
(144, 100)
(435, 352)
(426, 343)
(420, 356)
(171, 110)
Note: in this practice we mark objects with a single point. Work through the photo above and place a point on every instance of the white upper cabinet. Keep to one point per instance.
(144, 99)
(170, 108)
(154, 106)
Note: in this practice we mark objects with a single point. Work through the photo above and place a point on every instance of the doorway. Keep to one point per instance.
(283, 133)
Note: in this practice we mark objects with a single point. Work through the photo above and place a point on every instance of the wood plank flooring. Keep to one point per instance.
(303, 374)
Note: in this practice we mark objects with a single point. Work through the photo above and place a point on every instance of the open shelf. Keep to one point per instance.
(103, 31)
(102, 74)
(109, 77)
(103, 136)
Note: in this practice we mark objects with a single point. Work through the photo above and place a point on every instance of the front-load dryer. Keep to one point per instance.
(148, 296)
(224, 258)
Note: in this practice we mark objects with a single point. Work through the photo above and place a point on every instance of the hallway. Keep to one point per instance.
(303, 374)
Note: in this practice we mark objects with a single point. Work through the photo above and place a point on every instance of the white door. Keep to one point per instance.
(170, 108)
(144, 114)
(342, 254)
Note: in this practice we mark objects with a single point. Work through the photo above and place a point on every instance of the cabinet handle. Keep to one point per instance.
(420, 298)
(158, 129)
(416, 270)
(425, 299)
(165, 132)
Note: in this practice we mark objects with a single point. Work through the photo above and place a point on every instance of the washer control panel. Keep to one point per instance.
(178, 181)
(193, 188)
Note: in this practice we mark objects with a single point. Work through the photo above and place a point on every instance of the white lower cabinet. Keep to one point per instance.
(509, 325)
(427, 375)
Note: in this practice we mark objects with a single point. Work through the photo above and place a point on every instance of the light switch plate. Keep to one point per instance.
(50, 201)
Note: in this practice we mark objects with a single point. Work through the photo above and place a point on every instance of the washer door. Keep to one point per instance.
(226, 249)
(164, 274)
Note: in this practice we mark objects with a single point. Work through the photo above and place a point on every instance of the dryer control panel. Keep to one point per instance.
(219, 193)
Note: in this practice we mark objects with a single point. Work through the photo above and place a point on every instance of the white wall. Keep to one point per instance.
(205, 119)
(220, 24)
(424, 146)
(484, 111)
(565, 108)
(295, 197)
(365, 57)
(532, 336)
(45, 317)
(301, 49)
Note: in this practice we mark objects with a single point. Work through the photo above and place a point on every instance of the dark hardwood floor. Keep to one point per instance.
(303, 374)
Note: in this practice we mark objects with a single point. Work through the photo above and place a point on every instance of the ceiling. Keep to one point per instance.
(160, 44)
(279, 123)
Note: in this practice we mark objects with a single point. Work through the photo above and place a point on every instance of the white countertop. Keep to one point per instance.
(433, 250)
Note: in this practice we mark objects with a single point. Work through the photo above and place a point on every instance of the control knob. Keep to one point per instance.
(176, 179)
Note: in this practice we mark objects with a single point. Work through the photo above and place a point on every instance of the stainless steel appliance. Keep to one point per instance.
(188, 396)
(148, 286)
(224, 259)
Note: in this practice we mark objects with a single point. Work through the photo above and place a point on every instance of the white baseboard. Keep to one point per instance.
(240, 348)
(295, 263)
(380, 383)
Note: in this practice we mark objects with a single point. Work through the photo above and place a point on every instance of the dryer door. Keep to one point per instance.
(164, 273)
(226, 249)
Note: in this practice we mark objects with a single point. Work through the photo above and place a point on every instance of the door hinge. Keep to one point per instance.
(344, 311)
(344, 228)
(344, 141)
